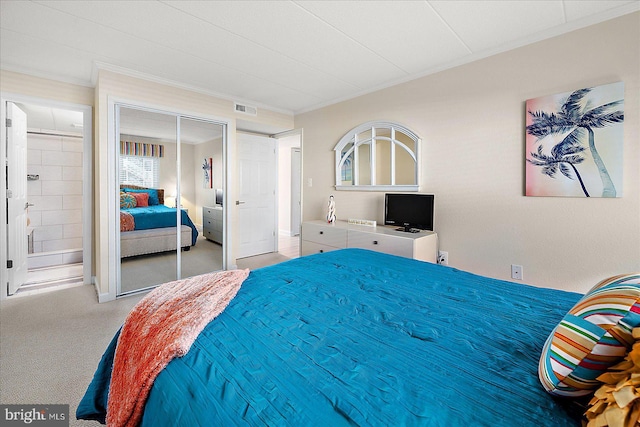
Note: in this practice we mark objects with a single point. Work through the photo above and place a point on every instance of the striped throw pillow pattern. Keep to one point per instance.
(592, 337)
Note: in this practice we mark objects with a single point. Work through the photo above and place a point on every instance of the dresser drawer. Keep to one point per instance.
(211, 213)
(324, 235)
(309, 248)
(213, 235)
(381, 243)
(211, 223)
(318, 236)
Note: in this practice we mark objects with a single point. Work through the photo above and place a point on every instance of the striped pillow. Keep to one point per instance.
(592, 337)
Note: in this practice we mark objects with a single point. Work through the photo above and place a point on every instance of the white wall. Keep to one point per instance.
(207, 196)
(471, 119)
(167, 178)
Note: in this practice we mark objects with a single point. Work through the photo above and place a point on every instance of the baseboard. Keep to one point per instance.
(102, 297)
(288, 233)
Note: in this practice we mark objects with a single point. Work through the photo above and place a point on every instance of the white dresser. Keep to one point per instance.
(212, 223)
(319, 236)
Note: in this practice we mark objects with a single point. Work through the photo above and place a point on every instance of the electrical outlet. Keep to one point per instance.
(516, 272)
(443, 258)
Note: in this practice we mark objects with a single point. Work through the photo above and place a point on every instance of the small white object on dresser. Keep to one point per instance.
(319, 236)
(212, 223)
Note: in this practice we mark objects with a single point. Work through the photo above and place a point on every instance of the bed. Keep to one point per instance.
(354, 337)
(148, 226)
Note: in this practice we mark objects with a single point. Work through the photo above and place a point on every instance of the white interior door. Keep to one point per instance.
(257, 195)
(16, 197)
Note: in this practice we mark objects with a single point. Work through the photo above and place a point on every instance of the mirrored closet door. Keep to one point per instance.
(169, 170)
(202, 174)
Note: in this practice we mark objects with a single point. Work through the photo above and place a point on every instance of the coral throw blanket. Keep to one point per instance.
(162, 326)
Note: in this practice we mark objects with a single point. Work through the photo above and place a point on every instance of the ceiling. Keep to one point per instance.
(163, 127)
(289, 56)
(46, 119)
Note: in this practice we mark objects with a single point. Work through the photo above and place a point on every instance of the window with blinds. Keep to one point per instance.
(142, 171)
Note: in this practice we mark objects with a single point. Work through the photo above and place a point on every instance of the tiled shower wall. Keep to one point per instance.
(56, 216)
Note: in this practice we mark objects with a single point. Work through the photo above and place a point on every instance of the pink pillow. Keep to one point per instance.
(142, 199)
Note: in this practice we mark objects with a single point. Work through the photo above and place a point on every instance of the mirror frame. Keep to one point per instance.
(351, 138)
(112, 198)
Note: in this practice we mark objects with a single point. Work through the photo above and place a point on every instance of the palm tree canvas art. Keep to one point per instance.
(574, 143)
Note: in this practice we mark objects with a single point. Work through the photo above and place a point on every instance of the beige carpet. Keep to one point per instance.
(148, 270)
(51, 343)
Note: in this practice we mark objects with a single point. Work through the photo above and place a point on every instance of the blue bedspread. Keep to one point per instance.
(358, 337)
(159, 216)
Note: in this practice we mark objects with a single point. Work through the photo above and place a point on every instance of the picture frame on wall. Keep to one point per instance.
(207, 168)
(574, 143)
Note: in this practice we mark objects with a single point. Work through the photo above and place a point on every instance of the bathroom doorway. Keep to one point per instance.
(57, 187)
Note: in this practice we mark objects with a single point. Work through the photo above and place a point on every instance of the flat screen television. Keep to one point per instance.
(409, 211)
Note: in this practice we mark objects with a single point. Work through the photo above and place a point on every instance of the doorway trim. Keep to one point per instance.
(87, 174)
(300, 133)
(113, 205)
(296, 220)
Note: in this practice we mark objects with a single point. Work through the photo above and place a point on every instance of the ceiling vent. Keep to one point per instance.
(245, 109)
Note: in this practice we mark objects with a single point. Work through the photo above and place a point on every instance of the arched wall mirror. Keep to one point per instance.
(378, 156)
(170, 171)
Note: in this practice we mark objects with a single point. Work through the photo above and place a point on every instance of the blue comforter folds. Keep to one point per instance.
(358, 337)
(159, 216)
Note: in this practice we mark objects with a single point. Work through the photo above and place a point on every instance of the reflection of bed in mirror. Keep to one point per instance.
(147, 226)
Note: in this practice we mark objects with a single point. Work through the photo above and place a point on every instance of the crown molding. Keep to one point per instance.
(44, 75)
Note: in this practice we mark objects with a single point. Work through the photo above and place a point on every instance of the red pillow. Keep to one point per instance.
(142, 199)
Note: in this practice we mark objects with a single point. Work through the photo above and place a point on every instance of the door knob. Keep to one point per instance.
(26, 205)
(239, 202)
